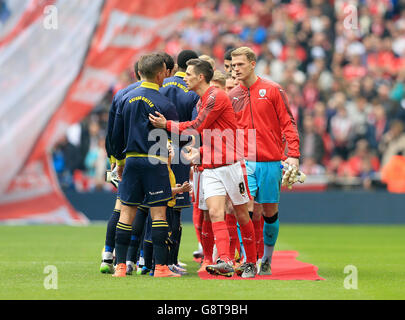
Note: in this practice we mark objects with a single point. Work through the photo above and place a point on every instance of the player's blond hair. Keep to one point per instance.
(208, 59)
(244, 51)
(219, 77)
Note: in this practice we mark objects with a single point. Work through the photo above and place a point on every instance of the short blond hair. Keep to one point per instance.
(244, 51)
(219, 77)
(228, 75)
(208, 59)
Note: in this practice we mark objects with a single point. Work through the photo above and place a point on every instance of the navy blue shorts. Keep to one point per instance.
(144, 183)
(182, 174)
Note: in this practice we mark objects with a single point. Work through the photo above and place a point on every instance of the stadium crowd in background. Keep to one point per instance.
(344, 76)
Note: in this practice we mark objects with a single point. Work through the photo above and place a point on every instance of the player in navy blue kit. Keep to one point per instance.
(145, 179)
(185, 102)
(107, 256)
(139, 222)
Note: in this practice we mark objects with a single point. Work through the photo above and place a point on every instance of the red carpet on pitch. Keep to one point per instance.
(284, 266)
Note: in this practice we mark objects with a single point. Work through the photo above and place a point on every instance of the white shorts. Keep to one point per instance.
(228, 180)
(198, 190)
(196, 182)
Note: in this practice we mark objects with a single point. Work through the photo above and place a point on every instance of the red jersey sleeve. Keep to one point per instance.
(206, 117)
(287, 122)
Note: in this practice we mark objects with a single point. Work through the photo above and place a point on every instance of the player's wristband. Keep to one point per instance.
(113, 160)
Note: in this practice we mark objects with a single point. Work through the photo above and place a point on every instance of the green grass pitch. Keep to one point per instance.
(378, 253)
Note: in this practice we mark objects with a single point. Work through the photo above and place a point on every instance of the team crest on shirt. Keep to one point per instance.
(262, 92)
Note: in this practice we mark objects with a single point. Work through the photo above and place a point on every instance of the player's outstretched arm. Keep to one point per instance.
(185, 187)
(192, 155)
(158, 120)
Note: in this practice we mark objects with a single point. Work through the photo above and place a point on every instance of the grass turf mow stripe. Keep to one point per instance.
(358, 262)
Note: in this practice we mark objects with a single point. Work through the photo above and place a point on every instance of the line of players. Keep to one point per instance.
(261, 174)
(185, 102)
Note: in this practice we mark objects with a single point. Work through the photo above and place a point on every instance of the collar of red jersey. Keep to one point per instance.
(252, 86)
(180, 74)
(150, 85)
(208, 93)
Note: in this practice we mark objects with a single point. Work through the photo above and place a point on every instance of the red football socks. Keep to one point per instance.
(207, 240)
(197, 221)
(233, 235)
(222, 240)
(248, 238)
(258, 226)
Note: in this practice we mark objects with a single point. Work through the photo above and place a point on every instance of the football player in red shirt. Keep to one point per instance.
(224, 169)
(261, 108)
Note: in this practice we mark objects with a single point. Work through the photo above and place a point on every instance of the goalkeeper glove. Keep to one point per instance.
(291, 175)
(112, 177)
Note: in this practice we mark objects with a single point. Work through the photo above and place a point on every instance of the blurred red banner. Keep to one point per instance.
(125, 29)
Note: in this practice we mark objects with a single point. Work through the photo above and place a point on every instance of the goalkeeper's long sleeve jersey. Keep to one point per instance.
(264, 107)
